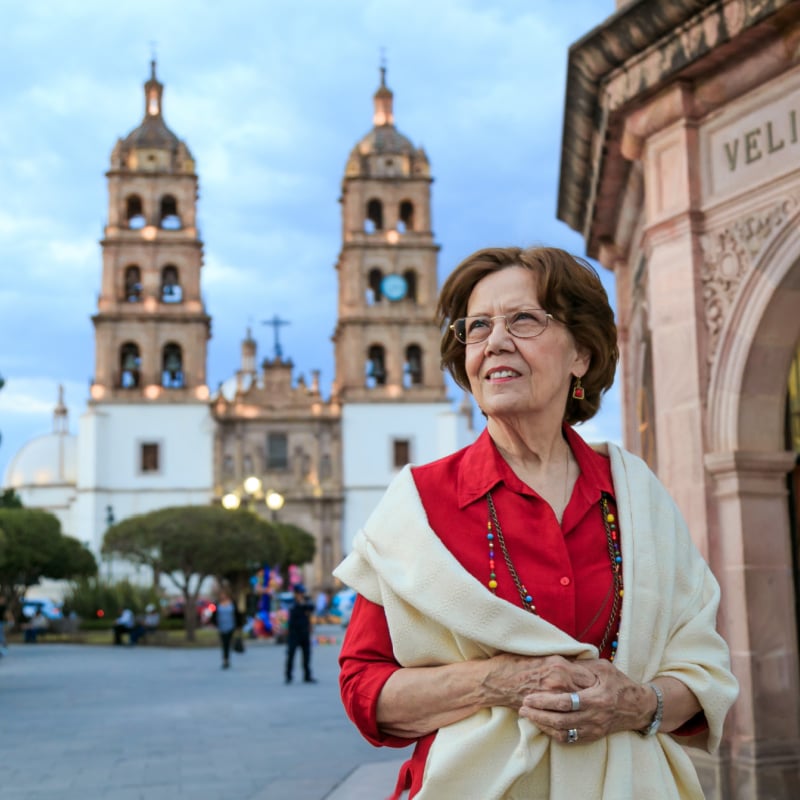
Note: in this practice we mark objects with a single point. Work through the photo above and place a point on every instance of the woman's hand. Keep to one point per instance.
(512, 678)
(418, 700)
(613, 703)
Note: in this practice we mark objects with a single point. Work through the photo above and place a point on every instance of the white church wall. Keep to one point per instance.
(109, 469)
(369, 431)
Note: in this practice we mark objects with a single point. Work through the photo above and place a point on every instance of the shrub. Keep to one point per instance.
(88, 596)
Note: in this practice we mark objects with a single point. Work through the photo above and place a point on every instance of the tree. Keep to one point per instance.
(34, 548)
(299, 546)
(188, 544)
(10, 499)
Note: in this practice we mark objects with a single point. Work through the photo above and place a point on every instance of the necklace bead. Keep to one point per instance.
(615, 557)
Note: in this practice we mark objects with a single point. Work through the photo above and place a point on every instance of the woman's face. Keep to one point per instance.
(510, 377)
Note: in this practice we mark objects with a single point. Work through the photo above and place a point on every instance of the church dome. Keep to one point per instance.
(152, 145)
(49, 460)
(153, 132)
(385, 140)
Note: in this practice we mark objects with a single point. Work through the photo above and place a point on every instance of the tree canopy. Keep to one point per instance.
(32, 547)
(299, 546)
(188, 544)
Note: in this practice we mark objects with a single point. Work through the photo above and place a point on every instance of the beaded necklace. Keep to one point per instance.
(494, 531)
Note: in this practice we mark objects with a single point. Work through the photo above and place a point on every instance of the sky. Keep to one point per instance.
(270, 98)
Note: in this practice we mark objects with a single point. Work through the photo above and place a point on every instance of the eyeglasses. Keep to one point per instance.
(524, 324)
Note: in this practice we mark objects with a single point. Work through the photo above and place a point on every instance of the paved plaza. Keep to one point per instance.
(82, 722)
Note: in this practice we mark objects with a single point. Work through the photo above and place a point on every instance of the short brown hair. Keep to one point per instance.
(569, 288)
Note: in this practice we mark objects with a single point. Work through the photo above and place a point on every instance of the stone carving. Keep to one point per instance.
(729, 255)
(718, 24)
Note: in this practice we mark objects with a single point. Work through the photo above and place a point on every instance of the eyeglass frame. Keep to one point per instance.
(547, 315)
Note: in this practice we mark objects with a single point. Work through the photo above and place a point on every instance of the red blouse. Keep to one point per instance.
(566, 568)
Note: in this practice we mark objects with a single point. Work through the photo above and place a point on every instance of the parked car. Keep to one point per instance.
(205, 608)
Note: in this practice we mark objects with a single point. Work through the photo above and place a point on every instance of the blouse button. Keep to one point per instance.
(565, 581)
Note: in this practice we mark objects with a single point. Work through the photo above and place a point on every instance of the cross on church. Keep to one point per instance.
(276, 322)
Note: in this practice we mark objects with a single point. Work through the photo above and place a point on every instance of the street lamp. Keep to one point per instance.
(252, 486)
(230, 501)
(251, 492)
(275, 501)
(109, 522)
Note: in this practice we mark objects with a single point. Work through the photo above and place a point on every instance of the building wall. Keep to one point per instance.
(109, 463)
(690, 183)
(368, 436)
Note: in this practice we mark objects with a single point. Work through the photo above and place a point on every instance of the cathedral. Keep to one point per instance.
(154, 435)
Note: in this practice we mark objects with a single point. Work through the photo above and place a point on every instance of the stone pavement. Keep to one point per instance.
(81, 722)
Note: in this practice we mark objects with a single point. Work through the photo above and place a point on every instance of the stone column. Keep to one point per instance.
(752, 558)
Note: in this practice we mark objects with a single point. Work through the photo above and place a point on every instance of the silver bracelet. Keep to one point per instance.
(655, 724)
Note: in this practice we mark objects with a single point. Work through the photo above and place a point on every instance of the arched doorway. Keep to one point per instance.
(755, 554)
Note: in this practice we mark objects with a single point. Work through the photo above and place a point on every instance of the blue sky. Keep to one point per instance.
(270, 98)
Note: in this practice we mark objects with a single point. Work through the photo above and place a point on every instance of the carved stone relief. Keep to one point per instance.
(729, 256)
(705, 32)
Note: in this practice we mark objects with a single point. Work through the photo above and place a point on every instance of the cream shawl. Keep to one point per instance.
(437, 613)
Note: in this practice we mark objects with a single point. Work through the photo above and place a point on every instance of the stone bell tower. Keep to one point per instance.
(146, 438)
(388, 379)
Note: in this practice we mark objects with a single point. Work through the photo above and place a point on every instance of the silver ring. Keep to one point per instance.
(572, 735)
(576, 701)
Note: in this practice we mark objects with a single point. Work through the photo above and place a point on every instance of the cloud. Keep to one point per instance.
(270, 98)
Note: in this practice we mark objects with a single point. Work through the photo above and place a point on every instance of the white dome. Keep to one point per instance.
(49, 460)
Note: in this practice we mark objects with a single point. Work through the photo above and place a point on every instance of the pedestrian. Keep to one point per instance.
(531, 610)
(123, 625)
(228, 619)
(299, 633)
(37, 626)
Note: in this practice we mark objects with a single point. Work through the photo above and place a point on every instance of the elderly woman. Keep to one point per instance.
(532, 613)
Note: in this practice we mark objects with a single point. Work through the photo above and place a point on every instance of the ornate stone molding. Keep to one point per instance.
(729, 256)
(716, 25)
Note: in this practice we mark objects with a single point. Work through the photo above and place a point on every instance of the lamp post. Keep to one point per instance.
(109, 523)
(275, 501)
(251, 493)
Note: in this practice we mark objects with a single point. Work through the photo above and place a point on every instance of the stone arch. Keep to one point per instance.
(747, 387)
(751, 551)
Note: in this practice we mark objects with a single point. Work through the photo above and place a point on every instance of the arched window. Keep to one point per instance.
(413, 367)
(169, 218)
(376, 366)
(374, 220)
(171, 291)
(130, 365)
(134, 212)
(411, 284)
(374, 279)
(172, 366)
(406, 216)
(133, 284)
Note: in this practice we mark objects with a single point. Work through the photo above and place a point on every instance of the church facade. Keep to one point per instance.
(681, 169)
(154, 436)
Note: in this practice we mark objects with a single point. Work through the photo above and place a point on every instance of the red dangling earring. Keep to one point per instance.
(578, 392)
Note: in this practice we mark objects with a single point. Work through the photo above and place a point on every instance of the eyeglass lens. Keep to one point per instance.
(522, 324)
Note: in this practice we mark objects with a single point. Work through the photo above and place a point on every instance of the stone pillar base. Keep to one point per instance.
(755, 773)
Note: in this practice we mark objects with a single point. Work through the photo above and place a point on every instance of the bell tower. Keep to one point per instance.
(386, 340)
(146, 440)
(151, 327)
(388, 380)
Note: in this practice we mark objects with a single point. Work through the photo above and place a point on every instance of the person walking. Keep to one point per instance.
(299, 626)
(227, 619)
